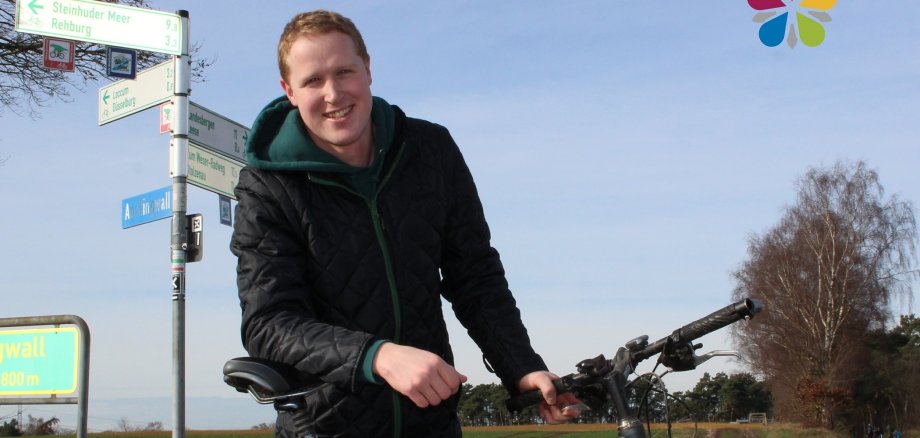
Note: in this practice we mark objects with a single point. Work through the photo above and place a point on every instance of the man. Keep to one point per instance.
(353, 220)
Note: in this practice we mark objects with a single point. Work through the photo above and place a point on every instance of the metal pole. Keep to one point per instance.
(178, 150)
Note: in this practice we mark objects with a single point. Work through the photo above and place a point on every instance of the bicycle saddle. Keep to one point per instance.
(264, 379)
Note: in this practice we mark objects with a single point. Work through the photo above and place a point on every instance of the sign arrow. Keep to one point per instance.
(112, 24)
(33, 5)
(105, 97)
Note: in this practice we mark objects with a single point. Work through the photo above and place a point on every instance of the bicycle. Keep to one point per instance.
(596, 381)
(600, 380)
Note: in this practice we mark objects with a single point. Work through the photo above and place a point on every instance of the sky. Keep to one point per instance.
(625, 153)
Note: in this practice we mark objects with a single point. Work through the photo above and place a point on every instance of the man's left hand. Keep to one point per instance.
(555, 408)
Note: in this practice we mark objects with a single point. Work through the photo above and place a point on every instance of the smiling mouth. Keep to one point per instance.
(338, 114)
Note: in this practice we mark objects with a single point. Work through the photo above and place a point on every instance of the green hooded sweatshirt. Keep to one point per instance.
(279, 141)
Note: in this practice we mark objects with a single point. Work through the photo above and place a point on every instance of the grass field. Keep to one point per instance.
(683, 430)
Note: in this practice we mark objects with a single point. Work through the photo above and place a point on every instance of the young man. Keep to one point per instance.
(353, 221)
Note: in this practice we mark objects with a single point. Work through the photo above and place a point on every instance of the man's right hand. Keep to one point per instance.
(418, 374)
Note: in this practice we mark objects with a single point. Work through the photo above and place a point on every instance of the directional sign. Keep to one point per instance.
(146, 207)
(216, 132)
(38, 361)
(212, 172)
(102, 23)
(123, 98)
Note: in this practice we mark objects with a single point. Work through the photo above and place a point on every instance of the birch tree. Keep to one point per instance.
(826, 273)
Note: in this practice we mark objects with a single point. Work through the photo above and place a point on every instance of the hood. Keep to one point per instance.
(279, 140)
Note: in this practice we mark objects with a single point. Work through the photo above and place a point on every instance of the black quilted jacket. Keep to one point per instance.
(324, 272)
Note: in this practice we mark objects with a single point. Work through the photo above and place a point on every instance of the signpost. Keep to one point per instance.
(125, 97)
(102, 23)
(143, 29)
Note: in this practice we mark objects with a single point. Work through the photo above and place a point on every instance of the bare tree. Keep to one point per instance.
(124, 425)
(26, 84)
(826, 274)
(38, 426)
(153, 426)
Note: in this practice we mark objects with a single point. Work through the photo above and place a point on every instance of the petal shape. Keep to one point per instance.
(824, 5)
(761, 5)
(810, 31)
(760, 17)
(791, 39)
(823, 17)
(773, 31)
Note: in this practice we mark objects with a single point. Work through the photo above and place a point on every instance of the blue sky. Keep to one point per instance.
(624, 153)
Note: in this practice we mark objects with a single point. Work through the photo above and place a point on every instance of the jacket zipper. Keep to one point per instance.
(394, 296)
(379, 228)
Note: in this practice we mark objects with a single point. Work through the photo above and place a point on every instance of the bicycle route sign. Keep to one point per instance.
(102, 23)
(39, 361)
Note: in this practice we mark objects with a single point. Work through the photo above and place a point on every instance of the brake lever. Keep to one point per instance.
(704, 357)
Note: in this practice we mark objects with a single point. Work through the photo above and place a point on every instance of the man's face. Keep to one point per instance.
(330, 86)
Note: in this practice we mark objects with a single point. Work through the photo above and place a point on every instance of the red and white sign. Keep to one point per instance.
(59, 54)
(166, 110)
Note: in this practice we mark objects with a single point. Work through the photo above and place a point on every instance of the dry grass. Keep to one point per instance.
(680, 430)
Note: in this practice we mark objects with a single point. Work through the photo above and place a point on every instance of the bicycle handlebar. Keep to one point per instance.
(530, 398)
(727, 315)
(626, 359)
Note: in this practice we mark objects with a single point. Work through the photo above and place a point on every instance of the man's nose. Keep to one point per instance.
(333, 91)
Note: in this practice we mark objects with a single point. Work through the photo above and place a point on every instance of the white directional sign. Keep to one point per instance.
(209, 130)
(212, 172)
(102, 23)
(216, 132)
(123, 98)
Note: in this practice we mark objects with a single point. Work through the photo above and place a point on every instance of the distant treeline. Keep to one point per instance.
(714, 398)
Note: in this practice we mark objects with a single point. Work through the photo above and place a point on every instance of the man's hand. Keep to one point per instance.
(418, 374)
(555, 407)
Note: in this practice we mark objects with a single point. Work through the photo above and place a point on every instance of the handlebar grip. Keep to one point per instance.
(521, 401)
(745, 308)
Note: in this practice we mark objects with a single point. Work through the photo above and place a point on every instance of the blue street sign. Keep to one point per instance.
(146, 207)
(226, 218)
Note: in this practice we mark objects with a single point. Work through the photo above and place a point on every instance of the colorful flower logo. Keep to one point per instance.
(775, 20)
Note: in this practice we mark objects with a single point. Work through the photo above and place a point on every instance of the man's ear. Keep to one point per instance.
(288, 91)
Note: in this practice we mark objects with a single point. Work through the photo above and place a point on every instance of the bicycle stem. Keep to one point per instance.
(629, 425)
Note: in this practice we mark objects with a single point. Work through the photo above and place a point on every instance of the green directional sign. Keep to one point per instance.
(212, 172)
(38, 361)
(102, 23)
(125, 97)
(216, 132)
